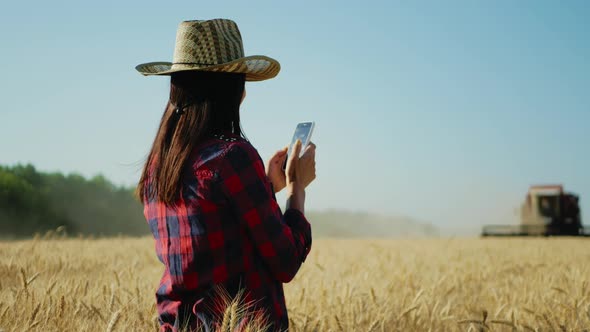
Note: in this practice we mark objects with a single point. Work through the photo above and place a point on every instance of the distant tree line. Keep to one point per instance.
(35, 202)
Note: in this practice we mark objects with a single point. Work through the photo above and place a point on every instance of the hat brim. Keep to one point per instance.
(255, 67)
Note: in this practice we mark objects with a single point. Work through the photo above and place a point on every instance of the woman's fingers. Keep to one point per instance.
(296, 151)
(279, 155)
(282, 152)
(293, 158)
(309, 151)
(302, 169)
(282, 155)
(311, 147)
(312, 152)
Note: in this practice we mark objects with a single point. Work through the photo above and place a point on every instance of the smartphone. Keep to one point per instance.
(303, 133)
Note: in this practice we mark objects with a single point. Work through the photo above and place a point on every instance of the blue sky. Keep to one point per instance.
(442, 111)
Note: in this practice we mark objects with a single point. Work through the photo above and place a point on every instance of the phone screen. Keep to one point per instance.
(303, 133)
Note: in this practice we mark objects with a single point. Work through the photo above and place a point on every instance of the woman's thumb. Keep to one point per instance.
(292, 158)
(296, 149)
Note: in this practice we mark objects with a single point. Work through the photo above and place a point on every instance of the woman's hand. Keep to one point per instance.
(300, 171)
(275, 172)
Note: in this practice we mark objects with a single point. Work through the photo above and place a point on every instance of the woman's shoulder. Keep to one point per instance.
(225, 148)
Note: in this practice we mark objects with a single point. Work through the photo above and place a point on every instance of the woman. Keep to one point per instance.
(207, 197)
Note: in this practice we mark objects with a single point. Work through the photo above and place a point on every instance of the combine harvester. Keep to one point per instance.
(546, 211)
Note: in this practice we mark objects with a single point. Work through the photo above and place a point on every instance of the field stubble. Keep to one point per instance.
(345, 285)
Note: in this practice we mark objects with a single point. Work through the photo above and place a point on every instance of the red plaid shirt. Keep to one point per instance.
(226, 230)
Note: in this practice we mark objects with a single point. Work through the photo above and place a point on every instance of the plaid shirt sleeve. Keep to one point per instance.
(282, 241)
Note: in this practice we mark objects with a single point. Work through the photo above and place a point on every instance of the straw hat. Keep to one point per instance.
(212, 45)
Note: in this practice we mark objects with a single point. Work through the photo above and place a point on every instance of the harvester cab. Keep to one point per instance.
(547, 210)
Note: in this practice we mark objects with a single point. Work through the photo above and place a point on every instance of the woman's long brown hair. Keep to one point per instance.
(200, 105)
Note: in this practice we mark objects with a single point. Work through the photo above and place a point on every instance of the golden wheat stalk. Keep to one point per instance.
(234, 315)
(34, 315)
(117, 278)
(373, 326)
(50, 287)
(474, 322)
(23, 279)
(31, 279)
(338, 323)
(112, 301)
(407, 312)
(4, 312)
(503, 322)
(48, 314)
(61, 307)
(373, 296)
(97, 312)
(225, 327)
(34, 324)
(113, 321)
(529, 328)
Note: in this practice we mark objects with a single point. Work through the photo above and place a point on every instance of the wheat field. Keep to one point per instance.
(345, 285)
